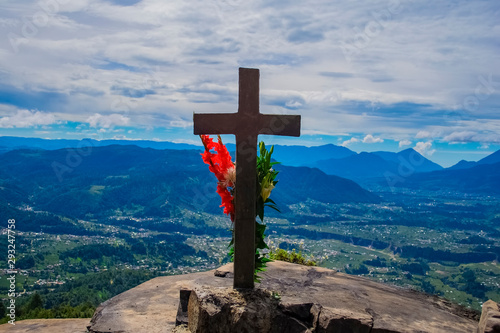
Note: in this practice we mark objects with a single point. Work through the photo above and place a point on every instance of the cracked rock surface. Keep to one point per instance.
(291, 298)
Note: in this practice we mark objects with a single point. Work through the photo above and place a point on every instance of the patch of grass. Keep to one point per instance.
(293, 257)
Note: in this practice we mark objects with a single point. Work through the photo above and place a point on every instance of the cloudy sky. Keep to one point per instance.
(369, 75)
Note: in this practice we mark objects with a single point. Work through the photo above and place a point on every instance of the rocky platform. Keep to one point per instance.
(327, 301)
(291, 298)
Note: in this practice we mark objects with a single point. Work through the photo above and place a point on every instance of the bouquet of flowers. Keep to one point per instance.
(224, 169)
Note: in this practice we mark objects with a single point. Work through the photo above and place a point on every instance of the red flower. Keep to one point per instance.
(227, 201)
(223, 168)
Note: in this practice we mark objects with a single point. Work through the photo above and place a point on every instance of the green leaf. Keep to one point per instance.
(270, 200)
(260, 228)
(275, 208)
(261, 215)
(261, 244)
(265, 176)
(266, 260)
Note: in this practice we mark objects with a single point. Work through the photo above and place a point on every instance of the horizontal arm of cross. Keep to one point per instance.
(215, 123)
(287, 125)
(232, 123)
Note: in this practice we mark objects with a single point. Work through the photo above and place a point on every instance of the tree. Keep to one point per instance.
(428, 287)
(3, 310)
(35, 302)
(26, 262)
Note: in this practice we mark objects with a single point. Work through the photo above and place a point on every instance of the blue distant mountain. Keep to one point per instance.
(490, 159)
(363, 165)
(463, 164)
(305, 156)
(411, 157)
(377, 164)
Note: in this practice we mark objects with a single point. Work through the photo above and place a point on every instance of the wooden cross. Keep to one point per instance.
(246, 124)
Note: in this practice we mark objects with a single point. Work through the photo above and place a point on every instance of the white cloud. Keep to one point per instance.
(348, 142)
(404, 143)
(123, 137)
(26, 118)
(98, 120)
(484, 137)
(293, 104)
(424, 148)
(371, 139)
(423, 135)
(190, 142)
(462, 136)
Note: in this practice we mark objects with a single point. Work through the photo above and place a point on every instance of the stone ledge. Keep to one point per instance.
(152, 306)
(490, 318)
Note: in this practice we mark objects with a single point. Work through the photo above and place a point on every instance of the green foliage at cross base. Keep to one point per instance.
(293, 257)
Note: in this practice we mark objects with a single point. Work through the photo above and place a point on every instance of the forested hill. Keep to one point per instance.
(101, 180)
(481, 178)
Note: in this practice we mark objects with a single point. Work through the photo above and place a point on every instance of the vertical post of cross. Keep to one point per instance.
(245, 192)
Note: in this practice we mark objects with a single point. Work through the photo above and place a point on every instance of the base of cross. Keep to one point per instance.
(290, 298)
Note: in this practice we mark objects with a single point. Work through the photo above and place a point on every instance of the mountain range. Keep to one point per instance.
(331, 159)
(288, 155)
(319, 173)
(110, 180)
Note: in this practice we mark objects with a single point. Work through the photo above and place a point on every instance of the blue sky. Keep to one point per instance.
(369, 75)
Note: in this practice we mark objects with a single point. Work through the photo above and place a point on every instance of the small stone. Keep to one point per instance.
(490, 318)
(223, 274)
